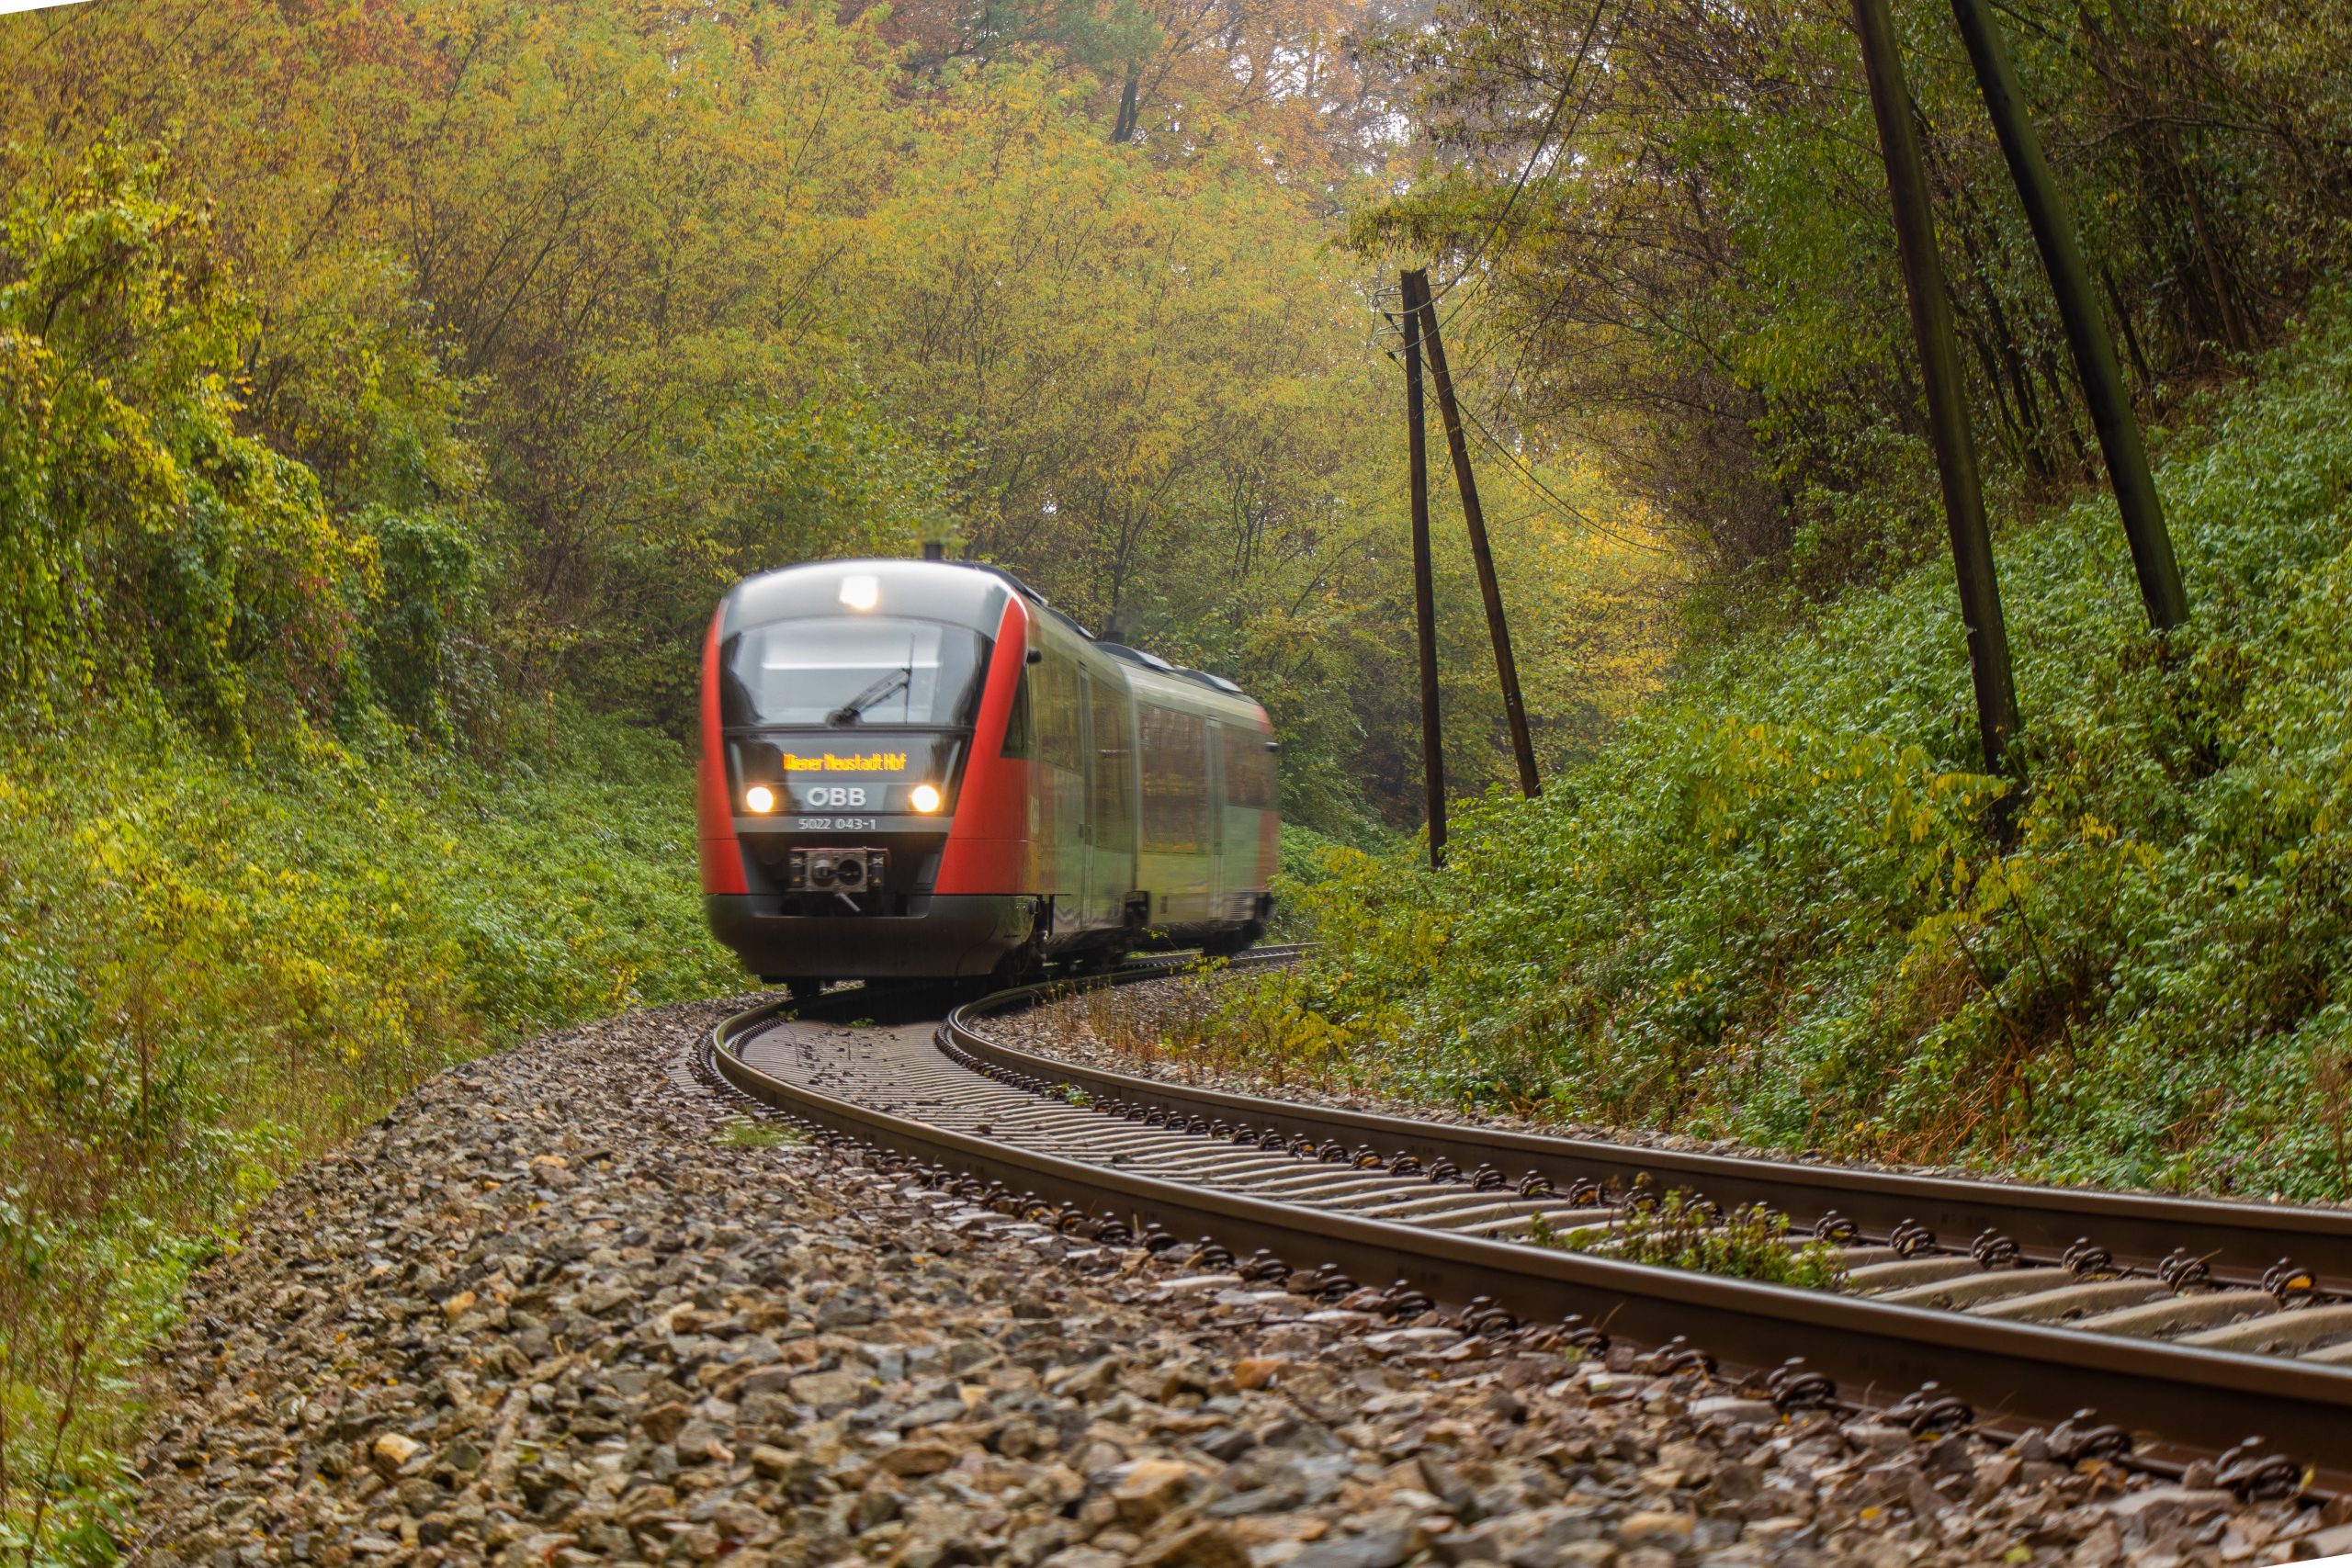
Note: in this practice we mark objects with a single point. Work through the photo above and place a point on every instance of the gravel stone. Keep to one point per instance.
(1384, 1548)
(544, 1313)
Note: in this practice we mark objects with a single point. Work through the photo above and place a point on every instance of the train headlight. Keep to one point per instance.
(760, 798)
(923, 798)
(861, 592)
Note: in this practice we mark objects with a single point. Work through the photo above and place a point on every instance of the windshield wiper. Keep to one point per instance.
(850, 711)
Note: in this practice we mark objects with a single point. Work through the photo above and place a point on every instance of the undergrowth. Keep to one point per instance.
(1305, 862)
(211, 969)
(1776, 908)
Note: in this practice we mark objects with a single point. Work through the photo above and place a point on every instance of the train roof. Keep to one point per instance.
(1153, 661)
(748, 594)
(1115, 650)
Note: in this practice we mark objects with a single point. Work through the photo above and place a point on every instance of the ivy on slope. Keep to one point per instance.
(1778, 908)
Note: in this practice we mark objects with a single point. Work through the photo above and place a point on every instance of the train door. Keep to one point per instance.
(1216, 815)
(1058, 708)
(1110, 801)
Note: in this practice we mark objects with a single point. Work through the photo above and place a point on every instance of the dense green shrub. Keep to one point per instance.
(1305, 863)
(156, 535)
(258, 876)
(1780, 908)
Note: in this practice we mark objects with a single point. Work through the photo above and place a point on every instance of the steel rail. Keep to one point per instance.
(2187, 1401)
(2239, 1240)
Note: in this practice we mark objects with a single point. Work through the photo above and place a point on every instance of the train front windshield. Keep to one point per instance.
(846, 672)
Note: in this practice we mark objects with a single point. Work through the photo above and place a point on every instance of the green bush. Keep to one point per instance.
(1307, 860)
(1778, 908)
(154, 540)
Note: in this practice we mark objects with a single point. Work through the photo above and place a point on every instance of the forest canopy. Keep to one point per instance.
(496, 341)
(1680, 218)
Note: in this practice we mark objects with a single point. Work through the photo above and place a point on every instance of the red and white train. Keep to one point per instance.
(918, 769)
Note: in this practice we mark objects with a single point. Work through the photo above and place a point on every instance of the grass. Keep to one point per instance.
(1778, 908)
(1680, 1231)
(212, 970)
(750, 1134)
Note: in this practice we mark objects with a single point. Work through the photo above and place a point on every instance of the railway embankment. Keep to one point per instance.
(564, 1305)
(1785, 905)
(1146, 1029)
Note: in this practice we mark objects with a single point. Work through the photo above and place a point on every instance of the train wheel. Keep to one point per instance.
(1017, 969)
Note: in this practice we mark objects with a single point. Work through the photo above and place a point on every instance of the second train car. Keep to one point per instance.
(918, 769)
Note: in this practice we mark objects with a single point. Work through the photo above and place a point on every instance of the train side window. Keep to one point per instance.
(1249, 771)
(1175, 782)
(1016, 723)
(1053, 712)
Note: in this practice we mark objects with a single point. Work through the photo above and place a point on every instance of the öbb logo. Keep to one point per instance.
(835, 794)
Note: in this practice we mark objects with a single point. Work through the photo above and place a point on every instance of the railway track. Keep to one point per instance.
(2213, 1341)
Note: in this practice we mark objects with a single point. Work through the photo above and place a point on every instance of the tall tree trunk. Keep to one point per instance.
(2131, 334)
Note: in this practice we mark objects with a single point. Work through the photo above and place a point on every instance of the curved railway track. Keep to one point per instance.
(2149, 1331)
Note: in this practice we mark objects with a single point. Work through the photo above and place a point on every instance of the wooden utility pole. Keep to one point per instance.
(2069, 280)
(1523, 747)
(1424, 591)
(1955, 445)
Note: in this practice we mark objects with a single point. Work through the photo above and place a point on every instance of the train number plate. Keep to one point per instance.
(836, 824)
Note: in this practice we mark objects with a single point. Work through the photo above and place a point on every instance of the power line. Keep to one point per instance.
(1526, 474)
(1527, 171)
(1529, 476)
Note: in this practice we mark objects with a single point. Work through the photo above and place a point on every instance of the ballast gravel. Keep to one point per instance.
(561, 1307)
